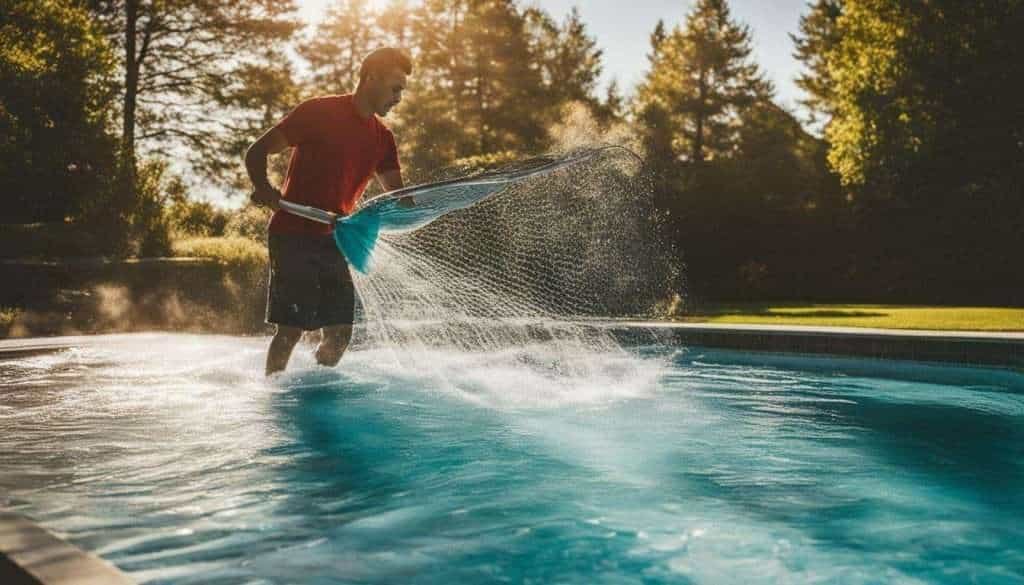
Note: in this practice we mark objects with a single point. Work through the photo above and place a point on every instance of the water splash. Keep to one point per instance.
(494, 301)
(414, 207)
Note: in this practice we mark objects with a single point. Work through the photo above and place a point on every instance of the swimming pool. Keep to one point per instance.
(170, 456)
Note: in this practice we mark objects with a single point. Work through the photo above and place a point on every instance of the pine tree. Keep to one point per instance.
(613, 107)
(475, 89)
(569, 59)
(257, 96)
(394, 24)
(338, 44)
(819, 34)
(702, 77)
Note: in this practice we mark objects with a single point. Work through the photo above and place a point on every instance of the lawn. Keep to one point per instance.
(881, 316)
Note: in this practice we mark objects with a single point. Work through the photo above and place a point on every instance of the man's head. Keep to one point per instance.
(382, 78)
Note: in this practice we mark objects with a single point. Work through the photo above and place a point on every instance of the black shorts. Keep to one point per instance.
(310, 283)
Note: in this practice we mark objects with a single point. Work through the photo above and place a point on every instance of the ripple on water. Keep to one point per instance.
(173, 457)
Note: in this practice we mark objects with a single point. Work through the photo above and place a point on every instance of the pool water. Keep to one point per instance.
(171, 456)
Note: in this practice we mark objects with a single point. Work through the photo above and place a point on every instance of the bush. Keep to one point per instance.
(249, 222)
(7, 317)
(195, 218)
(150, 227)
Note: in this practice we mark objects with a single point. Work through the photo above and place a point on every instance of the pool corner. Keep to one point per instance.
(31, 555)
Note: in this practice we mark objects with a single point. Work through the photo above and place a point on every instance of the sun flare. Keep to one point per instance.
(313, 11)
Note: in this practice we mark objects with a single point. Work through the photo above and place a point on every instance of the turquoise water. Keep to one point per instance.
(171, 457)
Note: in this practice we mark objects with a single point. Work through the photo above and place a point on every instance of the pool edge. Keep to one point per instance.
(954, 347)
(32, 555)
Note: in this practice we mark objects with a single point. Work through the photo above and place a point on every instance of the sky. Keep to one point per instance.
(622, 30)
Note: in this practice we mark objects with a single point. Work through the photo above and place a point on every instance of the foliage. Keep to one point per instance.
(818, 35)
(56, 68)
(740, 187)
(254, 98)
(249, 222)
(914, 192)
(337, 45)
(927, 135)
(188, 217)
(702, 79)
(150, 227)
(569, 61)
(176, 56)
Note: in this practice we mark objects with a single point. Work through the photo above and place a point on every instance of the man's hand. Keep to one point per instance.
(266, 195)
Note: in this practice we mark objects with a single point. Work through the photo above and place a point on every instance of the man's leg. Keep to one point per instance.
(333, 344)
(281, 348)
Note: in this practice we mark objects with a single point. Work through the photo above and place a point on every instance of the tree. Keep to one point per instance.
(926, 134)
(570, 61)
(338, 44)
(913, 86)
(394, 24)
(258, 96)
(819, 35)
(702, 76)
(613, 107)
(475, 89)
(175, 54)
(56, 83)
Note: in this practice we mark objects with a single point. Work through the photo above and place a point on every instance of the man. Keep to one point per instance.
(339, 145)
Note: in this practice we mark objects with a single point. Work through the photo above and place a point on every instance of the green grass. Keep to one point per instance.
(881, 316)
(233, 251)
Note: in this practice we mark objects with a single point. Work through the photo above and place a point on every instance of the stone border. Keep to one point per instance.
(966, 347)
(14, 348)
(955, 347)
(31, 555)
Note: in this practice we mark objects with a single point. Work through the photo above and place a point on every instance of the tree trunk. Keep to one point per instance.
(698, 140)
(131, 88)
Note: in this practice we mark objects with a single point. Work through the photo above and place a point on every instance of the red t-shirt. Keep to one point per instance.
(336, 153)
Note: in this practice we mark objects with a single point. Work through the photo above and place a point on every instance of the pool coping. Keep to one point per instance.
(1004, 349)
(30, 346)
(32, 555)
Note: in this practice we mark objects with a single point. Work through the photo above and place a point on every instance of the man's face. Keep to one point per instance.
(387, 90)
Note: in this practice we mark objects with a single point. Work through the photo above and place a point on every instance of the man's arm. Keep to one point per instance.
(273, 141)
(391, 180)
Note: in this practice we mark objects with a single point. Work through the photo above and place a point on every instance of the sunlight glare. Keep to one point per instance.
(313, 11)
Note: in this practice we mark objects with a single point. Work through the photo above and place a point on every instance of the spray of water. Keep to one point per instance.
(498, 300)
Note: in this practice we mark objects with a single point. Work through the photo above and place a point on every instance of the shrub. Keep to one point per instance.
(249, 222)
(195, 218)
